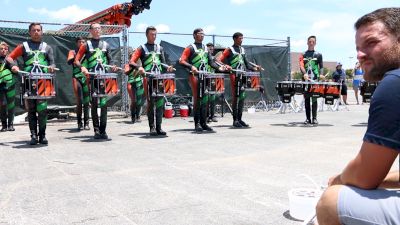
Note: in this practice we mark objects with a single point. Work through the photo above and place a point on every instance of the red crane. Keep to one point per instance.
(119, 14)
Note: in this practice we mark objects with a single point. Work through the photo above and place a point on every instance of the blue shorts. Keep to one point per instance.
(368, 207)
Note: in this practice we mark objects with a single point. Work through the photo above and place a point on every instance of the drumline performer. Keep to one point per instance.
(235, 56)
(80, 84)
(97, 54)
(153, 62)
(311, 66)
(197, 59)
(38, 57)
(135, 87)
(7, 90)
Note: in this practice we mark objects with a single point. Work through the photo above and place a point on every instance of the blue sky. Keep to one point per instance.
(331, 21)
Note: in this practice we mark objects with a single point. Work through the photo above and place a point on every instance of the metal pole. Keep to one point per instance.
(289, 66)
(125, 55)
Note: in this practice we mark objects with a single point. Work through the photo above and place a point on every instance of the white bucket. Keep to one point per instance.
(251, 110)
(302, 202)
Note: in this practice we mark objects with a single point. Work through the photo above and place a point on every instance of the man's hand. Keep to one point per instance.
(15, 69)
(84, 70)
(305, 76)
(114, 68)
(194, 70)
(51, 69)
(335, 180)
(141, 70)
(170, 69)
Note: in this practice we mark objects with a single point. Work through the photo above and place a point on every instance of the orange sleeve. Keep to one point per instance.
(301, 62)
(17, 52)
(224, 55)
(79, 55)
(136, 55)
(185, 55)
(71, 56)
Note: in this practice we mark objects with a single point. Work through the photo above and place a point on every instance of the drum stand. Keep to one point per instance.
(284, 106)
(262, 105)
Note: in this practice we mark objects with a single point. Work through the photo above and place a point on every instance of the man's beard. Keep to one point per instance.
(390, 60)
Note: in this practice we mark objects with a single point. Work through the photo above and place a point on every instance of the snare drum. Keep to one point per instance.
(367, 90)
(163, 84)
(332, 92)
(285, 90)
(316, 89)
(38, 86)
(215, 83)
(104, 84)
(251, 80)
(299, 87)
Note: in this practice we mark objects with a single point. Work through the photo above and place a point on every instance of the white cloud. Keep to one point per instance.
(209, 29)
(161, 28)
(239, 2)
(321, 25)
(298, 44)
(141, 27)
(71, 13)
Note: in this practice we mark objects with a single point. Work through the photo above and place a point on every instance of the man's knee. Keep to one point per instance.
(327, 206)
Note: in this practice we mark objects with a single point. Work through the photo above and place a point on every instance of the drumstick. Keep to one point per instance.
(253, 64)
(166, 66)
(109, 66)
(23, 72)
(54, 68)
(239, 71)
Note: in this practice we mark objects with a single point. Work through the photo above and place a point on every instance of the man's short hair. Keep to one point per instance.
(91, 25)
(312, 36)
(197, 30)
(390, 17)
(210, 44)
(35, 24)
(79, 39)
(236, 35)
(3, 44)
(150, 28)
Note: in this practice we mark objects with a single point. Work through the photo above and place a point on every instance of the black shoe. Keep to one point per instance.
(104, 135)
(153, 131)
(243, 123)
(80, 126)
(307, 122)
(314, 121)
(43, 140)
(236, 123)
(209, 120)
(11, 127)
(3, 129)
(97, 135)
(86, 127)
(206, 127)
(133, 119)
(138, 120)
(34, 140)
(214, 119)
(161, 132)
(198, 128)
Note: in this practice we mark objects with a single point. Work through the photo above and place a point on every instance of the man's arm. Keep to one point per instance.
(12, 57)
(79, 55)
(50, 56)
(369, 168)
(71, 57)
(392, 180)
(183, 60)
(321, 64)
(301, 64)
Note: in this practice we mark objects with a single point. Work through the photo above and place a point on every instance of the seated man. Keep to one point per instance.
(357, 195)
